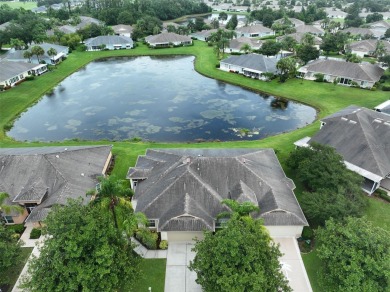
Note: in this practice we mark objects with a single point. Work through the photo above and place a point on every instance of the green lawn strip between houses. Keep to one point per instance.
(20, 4)
(326, 98)
(153, 275)
(12, 274)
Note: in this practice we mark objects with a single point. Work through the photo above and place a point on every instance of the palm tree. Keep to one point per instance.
(242, 209)
(246, 48)
(380, 49)
(37, 51)
(7, 209)
(52, 52)
(114, 194)
(27, 55)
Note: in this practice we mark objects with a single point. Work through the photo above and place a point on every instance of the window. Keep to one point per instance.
(152, 223)
(8, 219)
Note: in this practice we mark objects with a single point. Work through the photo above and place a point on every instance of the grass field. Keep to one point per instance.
(153, 275)
(17, 4)
(326, 98)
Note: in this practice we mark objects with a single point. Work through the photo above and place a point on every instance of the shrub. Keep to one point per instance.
(163, 244)
(319, 77)
(17, 228)
(217, 66)
(35, 233)
(382, 194)
(386, 87)
(307, 233)
(29, 78)
(147, 238)
(354, 84)
(373, 88)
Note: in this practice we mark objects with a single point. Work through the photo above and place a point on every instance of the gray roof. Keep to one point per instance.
(11, 69)
(109, 40)
(167, 37)
(298, 36)
(361, 136)
(357, 71)
(184, 187)
(122, 28)
(238, 42)
(294, 21)
(358, 31)
(309, 29)
(253, 29)
(50, 175)
(368, 45)
(18, 54)
(253, 61)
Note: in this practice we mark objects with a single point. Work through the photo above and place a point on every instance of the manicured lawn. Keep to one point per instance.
(378, 213)
(153, 271)
(312, 264)
(25, 5)
(13, 273)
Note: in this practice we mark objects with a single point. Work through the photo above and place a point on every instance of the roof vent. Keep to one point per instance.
(377, 121)
(344, 119)
(57, 156)
(82, 174)
(352, 122)
(66, 149)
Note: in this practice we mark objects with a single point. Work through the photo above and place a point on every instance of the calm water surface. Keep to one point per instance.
(157, 99)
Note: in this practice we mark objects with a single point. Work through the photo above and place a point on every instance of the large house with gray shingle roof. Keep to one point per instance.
(235, 45)
(362, 137)
(109, 42)
(364, 74)
(18, 55)
(250, 65)
(254, 31)
(180, 190)
(366, 47)
(167, 39)
(37, 178)
(12, 73)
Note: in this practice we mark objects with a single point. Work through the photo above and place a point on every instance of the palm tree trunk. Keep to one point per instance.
(112, 207)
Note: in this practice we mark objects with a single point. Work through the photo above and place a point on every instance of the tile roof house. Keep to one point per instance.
(309, 29)
(366, 47)
(364, 74)
(110, 42)
(359, 31)
(379, 28)
(167, 39)
(235, 45)
(12, 73)
(123, 30)
(181, 190)
(17, 55)
(332, 12)
(39, 177)
(296, 22)
(254, 31)
(298, 36)
(250, 65)
(362, 137)
(203, 35)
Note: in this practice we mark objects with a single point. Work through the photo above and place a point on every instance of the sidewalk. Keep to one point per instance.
(148, 253)
(25, 238)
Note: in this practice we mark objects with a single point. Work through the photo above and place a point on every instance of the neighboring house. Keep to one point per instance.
(203, 35)
(250, 65)
(296, 22)
(383, 107)
(12, 73)
(364, 74)
(366, 47)
(298, 36)
(332, 12)
(254, 31)
(379, 28)
(84, 21)
(360, 32)
(123, 30)
(110, 42)
(180, 190)
(309, 29)
(362, 137)
(17, 55)
(38, 178)
(167, 39)
(235, 45)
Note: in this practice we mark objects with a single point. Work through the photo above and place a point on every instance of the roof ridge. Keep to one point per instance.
(276, 210)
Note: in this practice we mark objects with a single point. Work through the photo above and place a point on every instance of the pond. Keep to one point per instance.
(209, 17)
(156, 99)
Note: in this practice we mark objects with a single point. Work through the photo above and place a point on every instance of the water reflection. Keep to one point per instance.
(158, 99)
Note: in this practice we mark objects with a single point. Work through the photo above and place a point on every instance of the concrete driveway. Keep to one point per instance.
(178, 277)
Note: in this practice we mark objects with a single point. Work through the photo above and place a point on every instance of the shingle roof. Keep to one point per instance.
(11, 69)
(185, 187)
(122, 28)
(361, 136)
(109, 40)
(298, 36)
(238, 42)
(253, 29)
(253, 61)
(357, 71)
(309, 29)
(358, 31)
(294, 21)
(167, 37)
(50, 174)
(368, 45)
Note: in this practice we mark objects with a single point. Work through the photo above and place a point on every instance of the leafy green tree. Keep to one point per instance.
(270, 48)
(17, 44)
(333, 42)
(246, 48)
(171, 28)
(199, 23)
(232, 23)
(380, 49)
(72, 40)
(331, 189)
(9, 250)
(115, 195)
(220, 40)
(268, 20)
(52, 52)
(308, 39)
(240, 257)
(374, 17)
(353, 19)
(37, 51)
(83, 252)
(222, 16)
(27, 55)
(307, 53)
(287, 68)
(354, 256)
(214, 23)
(385, 59)
(387, 33)
(7, 209)
(352, 58)
(288, 43)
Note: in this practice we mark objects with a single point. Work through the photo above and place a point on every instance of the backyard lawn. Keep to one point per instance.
(326, 98)
(17, 4)
(13, 273)
(153, 276)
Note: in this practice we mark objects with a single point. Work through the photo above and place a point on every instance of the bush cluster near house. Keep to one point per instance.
(35, 233)
(9, 249)
(331, 190)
